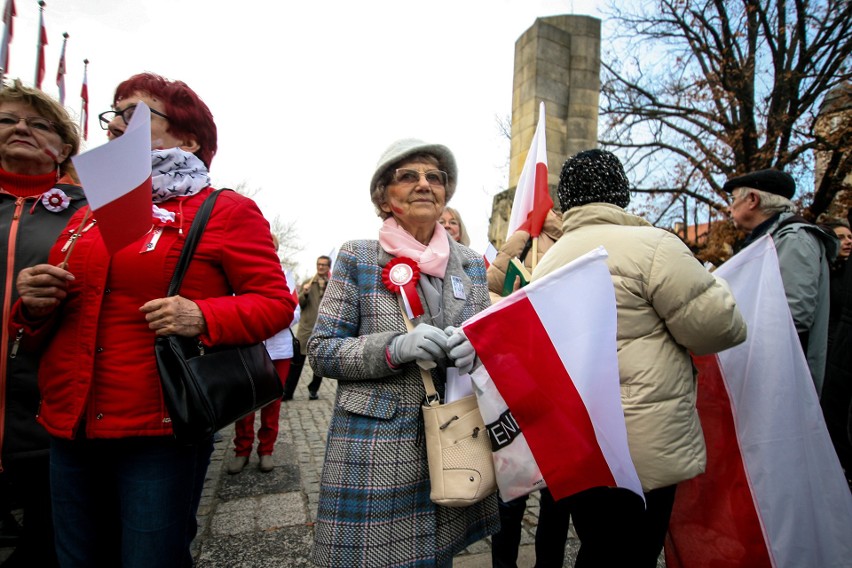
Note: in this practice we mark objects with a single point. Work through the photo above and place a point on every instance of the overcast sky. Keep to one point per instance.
(307, 95)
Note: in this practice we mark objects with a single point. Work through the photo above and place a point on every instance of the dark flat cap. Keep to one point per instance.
(770, 181)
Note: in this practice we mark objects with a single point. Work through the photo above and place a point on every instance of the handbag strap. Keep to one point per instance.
(432, 397)
(192, 238)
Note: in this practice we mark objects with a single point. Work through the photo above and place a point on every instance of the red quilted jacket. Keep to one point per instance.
(98, 374)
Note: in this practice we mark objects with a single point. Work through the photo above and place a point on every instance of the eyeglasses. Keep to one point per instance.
(33, 122)
(737, 195)
(405, 176)
(125, 114)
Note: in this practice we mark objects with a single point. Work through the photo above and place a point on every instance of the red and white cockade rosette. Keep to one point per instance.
(55, 200)
(400, 276)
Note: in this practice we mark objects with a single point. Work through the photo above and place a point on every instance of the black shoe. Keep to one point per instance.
(313, 395)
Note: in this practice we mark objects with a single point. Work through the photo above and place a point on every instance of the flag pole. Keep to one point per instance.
(8, 16)
(534, 260)
(39, 44)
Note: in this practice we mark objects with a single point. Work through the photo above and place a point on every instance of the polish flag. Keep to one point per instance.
(333, 256)
(290, 276)
(8, 17)
(532, 196)
(84, 95)
(489, 255)
(550, 350)
(774, 493)
(60, 71)
(42, 41)
(116, 179)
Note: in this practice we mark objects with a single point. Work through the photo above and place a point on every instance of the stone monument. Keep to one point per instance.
(558, 61)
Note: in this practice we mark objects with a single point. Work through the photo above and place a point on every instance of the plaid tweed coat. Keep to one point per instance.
(374, 507)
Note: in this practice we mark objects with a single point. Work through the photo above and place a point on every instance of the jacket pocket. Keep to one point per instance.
(376, 404)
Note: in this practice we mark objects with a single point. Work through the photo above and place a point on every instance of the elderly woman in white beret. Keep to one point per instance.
(374, 507)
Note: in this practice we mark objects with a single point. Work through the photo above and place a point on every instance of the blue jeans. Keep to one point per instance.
(127, 502)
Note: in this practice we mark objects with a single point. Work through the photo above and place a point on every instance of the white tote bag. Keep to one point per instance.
(516, 470)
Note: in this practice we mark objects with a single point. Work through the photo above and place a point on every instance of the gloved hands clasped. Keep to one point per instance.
(423, 343)
(460, 350)
(426, 343)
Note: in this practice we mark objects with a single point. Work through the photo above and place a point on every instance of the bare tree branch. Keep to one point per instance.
(694, 92)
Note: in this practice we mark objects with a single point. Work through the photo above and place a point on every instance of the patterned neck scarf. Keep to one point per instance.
(176, 173)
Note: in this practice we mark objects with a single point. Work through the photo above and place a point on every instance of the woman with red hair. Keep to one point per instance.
(124, 491)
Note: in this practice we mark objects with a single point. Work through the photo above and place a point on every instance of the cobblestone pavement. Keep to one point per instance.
(256, 519)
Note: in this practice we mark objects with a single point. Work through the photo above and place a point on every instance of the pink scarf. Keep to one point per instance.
(432, 258)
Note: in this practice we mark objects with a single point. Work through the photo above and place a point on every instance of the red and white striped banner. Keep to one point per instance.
(550, 349)
(774, 493)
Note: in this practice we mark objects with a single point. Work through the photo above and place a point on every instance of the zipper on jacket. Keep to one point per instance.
(7, 310)
(74, 236)
(18, 335)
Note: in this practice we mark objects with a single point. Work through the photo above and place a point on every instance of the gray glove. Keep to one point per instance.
(423, 343)
(461, 350)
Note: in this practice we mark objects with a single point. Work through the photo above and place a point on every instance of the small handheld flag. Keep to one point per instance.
(532, 196)
(116, 179)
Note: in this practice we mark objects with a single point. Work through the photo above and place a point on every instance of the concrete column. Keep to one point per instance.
(557, 60)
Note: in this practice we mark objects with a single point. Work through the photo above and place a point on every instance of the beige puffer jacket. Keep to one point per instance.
(496, 273)
(668, 304)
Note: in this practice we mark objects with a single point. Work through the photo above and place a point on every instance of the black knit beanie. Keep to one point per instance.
(593, 176)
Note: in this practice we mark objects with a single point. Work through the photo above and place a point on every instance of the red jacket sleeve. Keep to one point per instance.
(261, 304)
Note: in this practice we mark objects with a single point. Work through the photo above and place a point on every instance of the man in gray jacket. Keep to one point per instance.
(760, 204)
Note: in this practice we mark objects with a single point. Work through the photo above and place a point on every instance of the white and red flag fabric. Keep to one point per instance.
(550, 350)
(84, 96)
(490, 254)
(42, 41)
(292, 284)
(8, 29)
(532, 196)
(116, 179)
(333, 256)
(774, 494)
(60, 71)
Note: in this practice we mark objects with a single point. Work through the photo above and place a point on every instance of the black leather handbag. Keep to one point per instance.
(207, 388)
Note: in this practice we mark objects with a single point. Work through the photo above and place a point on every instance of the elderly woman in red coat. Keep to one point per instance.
(125, 492)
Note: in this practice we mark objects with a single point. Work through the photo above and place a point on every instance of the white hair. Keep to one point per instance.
(770, 203)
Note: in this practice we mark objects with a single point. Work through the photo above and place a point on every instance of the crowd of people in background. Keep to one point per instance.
(88, 454)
